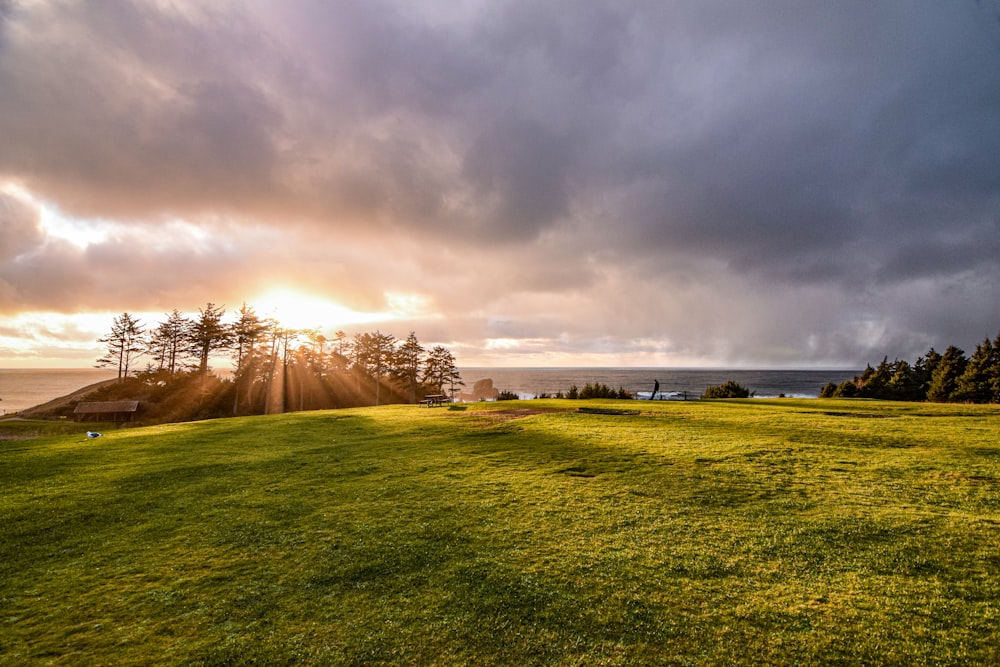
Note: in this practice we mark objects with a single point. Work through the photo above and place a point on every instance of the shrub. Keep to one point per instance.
(728, 390)
(595, 390)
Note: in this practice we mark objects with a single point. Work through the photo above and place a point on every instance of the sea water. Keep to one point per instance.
(25, 388)
(673, 383)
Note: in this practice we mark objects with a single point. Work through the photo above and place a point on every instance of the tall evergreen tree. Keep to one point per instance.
(273, 381)
(381, 356)
(167, 340)
(924, 369)
(125, 343)
(373, 356)
(247, 332)
(342, 346)
(315, 354)
(340, 356)
(360, 349)
(208, 334)
(874, 382)
(975, 385)
(285, 340)
(406, 367)
(905, 384)
(440, 370)
(946, 373)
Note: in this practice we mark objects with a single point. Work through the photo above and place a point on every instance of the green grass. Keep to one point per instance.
(703, 533)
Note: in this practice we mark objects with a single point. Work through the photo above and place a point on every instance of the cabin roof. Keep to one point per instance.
(99, 407)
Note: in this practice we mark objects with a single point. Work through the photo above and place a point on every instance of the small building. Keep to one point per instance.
(105, 411)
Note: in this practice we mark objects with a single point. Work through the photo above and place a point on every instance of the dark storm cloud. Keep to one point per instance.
(813, 148)
(518, 170)
(117, 109)
(731, 129)
(946, 253)
(774, 153)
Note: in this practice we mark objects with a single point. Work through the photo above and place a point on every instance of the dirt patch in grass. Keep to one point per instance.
(859, 415)
(517, 413)
(972, 479)
(607, 411)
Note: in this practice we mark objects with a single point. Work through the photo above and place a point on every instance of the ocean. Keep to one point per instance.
(674, 383)
(25, 388)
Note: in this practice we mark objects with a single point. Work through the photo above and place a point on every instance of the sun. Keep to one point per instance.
(299, 310)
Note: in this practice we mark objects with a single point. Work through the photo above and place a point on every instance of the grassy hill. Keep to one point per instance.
(713, 532)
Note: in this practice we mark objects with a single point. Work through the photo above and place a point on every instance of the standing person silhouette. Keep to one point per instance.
(656, 388)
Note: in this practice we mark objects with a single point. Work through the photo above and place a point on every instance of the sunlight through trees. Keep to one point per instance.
(275, 368)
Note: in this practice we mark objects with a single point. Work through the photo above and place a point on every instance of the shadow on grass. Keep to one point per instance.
(348, 539)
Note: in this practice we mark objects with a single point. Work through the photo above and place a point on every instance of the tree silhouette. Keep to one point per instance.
(167, 341)
(406, 367)
(125, 344)
(440, 370)
(208, 334)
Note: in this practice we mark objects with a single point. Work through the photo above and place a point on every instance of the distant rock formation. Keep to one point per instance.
(481, 390)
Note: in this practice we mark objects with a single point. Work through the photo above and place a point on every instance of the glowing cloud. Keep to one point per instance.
(300, 310)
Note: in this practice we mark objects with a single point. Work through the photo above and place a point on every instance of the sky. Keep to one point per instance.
(771, 184)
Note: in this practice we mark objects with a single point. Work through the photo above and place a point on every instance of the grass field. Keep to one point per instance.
(523, 533)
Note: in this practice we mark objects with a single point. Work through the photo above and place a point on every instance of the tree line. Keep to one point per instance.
(275, 368)
(941, 378)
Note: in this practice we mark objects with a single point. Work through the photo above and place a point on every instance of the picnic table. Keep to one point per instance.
(434, 399)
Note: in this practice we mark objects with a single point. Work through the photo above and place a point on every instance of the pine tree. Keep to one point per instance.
(342, 346)
(904, 384)
(208, 334)
(373, 354)
(946, 373)
(285, 338)
(167, 340)
(924, 369)
(125, 344)
(975, 383)
(874, 382)
(406, 366)
(246, 332)
(440, 370)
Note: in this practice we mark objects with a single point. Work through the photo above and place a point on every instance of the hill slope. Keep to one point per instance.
(736, 532)
(65, 403)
